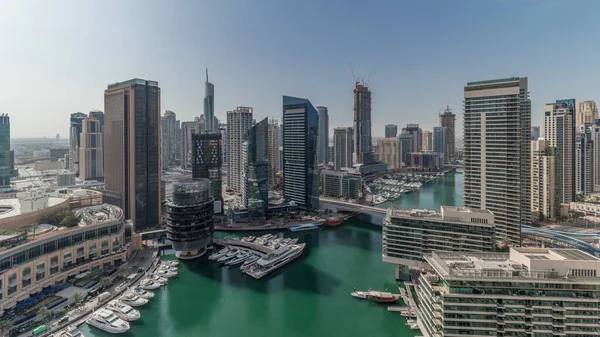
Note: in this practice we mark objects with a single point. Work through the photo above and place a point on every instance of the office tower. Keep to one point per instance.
(323, 140)
(190, 219)
(223, 131)
(256, 168)
(188, 129)
(57, 136)
(586, 114)
(14, 173)
(170, 139)
(390, 152)
(132, 149)
(99, 115)
(391, 130)
(535, 132)
(440, 134)
(558, 131)
(74, 142)
(362, 122)
(91, 153)
(239, 121)
(505, 294)
(543, 180)
(209, 105)
(427, 141)
(415, 131)
(407, 144)
(331, 153)
(596, 155)
(447, 120)
(273, 150)
(300, 133)
(207, 161)
(497, 155)
(342, 147)
(584, 169)
(5, 162)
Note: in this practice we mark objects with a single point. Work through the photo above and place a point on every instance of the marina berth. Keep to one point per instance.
(142, 293)
(106, 320)
(133, 300)
(123, 311)
(149, 284)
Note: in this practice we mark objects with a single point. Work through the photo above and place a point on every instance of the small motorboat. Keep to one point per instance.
(219, 254)
(143, 293)
(165, 273)
(170, 263)
(149, 284)
(359, 294)
(133, 300)
(233, 252)
(158, 279)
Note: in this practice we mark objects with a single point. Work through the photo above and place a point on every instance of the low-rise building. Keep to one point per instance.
(525, 292)
(587, 208)
(341, 184)
(410, 233)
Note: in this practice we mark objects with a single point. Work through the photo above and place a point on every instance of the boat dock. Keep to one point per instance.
(397, 309)
(413, 307)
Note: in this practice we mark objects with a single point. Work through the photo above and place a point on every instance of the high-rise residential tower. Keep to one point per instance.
(407, 142)
(448, 120)
(497, 155)
(239, 121)
(300, 133)
(440, 134)
(323, 141)
(596, 155)
(363, 143)
(342, 147)
(188, 129)
(390, 152)
(256, 168)
(535, 132)
(586, 113)
(584, 159)
(558, 132)
(5, 161)
(170, 139)
(207, 162)
(209, 105)
(91, 153)
(427, 141)
(273, 150)
(415, 131)
(99, 115)
(391, 130)
(132, 152)
(74, 140)
(543, 180)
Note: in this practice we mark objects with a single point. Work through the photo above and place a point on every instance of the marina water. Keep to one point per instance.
(310, 297)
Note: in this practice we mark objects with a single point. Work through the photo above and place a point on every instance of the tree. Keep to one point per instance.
(70, 220)
(5, 326)
(105, 282)
(122, 269)
(45, 314)
(77, 299)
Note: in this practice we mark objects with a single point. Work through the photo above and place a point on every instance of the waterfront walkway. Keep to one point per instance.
(409, 300)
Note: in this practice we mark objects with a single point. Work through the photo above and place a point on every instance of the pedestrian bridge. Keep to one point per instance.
(367, 213)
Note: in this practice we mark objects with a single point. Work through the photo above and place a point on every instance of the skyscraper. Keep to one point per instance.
(439, 140)
(323, 141)
(170, 139)
(427, 141)
(543, 180)
(390, 152)
(74, 141)
(188, 129)
(209, 105)
(586, 113)
(415, 131)
(99, 115)
(256, 166)
(91, 153)
(362, 122)
(5, 162)
(558, 132)
(342, 147)
(391, 130)
(300, 133)
(535, 132)
(447, 120)
(239, 121)
(596, 155)
(132, 153)
(407, 143)
(584, 168)
(207, 163)
(273, 150)
(497, 155)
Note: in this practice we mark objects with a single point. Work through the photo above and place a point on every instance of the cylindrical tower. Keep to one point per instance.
(190, 217)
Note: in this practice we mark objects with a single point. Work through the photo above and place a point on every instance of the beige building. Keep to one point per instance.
(543, 198)
(91, 155)
(239, 121)
(586, 113)
(53, 256)
(427, 141)
(390, 152)
(558, 132)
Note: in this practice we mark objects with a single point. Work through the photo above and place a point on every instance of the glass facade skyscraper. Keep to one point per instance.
(209, 106)
(206, 163)
(323, 138)
(300, 133)
(256, 164)
(5, 160)
(363, 144)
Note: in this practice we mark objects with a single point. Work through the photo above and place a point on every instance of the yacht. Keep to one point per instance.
(229, 255)
(253, 258)
(241, 257)
(158, 279)
(123, 311)
(165, 273)
(142, 293)
(274, 260)
(219, 254)
(106, 320)
(149, 284)
(133, 300)
(170, 263)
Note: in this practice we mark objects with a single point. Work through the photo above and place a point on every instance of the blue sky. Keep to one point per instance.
(58, 56)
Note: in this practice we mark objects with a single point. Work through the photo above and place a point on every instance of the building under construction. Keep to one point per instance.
(448, 120)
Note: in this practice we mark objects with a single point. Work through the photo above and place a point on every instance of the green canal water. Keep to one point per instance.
(310, 297)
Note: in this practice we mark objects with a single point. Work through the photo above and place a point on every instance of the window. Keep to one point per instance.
(27, 277)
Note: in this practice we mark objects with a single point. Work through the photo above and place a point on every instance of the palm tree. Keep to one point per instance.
(5, 326)
(122, 269)
(105, 282)
(76, 299)
(45, 314)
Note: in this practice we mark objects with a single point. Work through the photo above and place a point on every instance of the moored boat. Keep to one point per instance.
(408, 314)
(241, 257)
(170, 263)
(123, 311)
(359, 294)
(106, 320)
(219, 254)
(133, 300)
(165, 273)
(333, 221)
(304, 227)
(143, 293)
(382, 297)
(232, 252)
(149, 284)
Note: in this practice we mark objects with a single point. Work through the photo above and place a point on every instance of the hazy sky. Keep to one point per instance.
(58, 56)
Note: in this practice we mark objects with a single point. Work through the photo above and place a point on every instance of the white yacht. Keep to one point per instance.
(133, 300)
(123, 311)
(142, 293)
(106, 320)
(158, 279)
(165, 273)
(219, 254)
(170, 263)
(232, 252)
(149, 284)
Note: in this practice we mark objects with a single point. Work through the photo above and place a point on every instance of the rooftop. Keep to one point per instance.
(466, 210)
(12, 207)
(508, 79)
